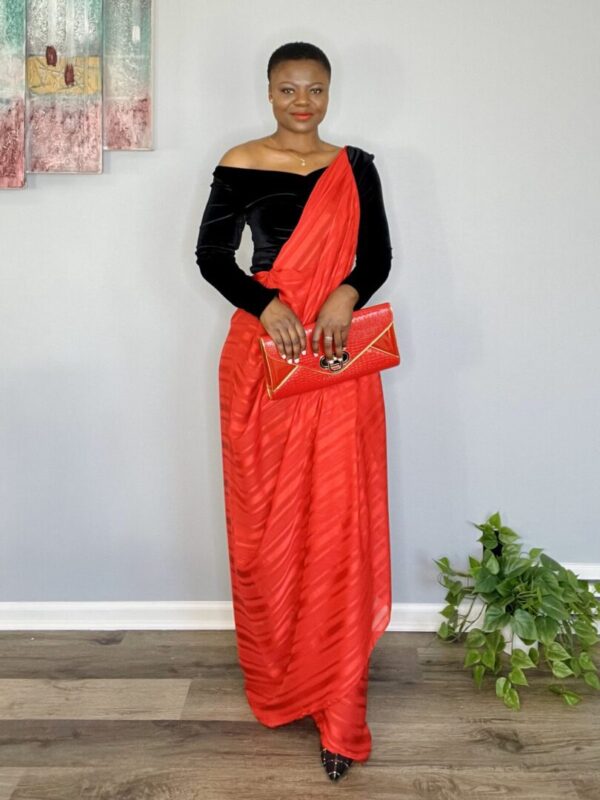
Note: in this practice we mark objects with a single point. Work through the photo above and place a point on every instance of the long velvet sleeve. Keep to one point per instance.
(219, 237)
(373, 250)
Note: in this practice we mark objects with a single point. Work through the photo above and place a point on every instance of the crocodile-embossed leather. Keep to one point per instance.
(371, 346)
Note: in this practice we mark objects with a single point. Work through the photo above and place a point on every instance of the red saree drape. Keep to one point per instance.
(305, 480)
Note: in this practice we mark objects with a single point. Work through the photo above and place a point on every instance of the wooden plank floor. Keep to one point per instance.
(161, 715)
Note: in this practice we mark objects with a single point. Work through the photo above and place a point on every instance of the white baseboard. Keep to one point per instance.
(192, 615)
(174, 615)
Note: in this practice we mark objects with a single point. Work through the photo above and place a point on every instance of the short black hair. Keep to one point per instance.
(293, 51)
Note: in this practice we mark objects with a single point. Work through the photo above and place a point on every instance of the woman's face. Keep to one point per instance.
(299, 86)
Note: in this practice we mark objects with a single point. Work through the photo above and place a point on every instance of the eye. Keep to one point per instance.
(287, 89)
(318, 89)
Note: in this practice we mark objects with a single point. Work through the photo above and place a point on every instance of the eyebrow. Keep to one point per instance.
(315, 83)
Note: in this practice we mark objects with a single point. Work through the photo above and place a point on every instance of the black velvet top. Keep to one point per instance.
(271, 202)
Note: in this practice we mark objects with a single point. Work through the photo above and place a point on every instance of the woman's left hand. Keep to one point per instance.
(334, 321)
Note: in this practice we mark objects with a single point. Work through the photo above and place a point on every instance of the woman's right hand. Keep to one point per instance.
(286, 330)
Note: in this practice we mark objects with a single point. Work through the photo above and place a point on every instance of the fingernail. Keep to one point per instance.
(296, 360)
(304, 352)
(282, 355)
(315, 354)
(289, 360)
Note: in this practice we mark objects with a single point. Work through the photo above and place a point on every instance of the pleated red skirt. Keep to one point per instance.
(305, 483)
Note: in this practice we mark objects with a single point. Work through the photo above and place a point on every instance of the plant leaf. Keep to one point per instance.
(488, 539)
(524, 624)
(472, 657)
(511, 699)
(561, 670)
(586, 662)
(551, 563)
(478, 673)
(495, 640)
(488, 658)
(475, 638)
(515, 565)
(573, 662)
(444, 565)
(507, 535)
(448, 610)
(473, 564)
(571, 698)
(517, 675)
(484, 581)
(495, 520)
(493, 618)
(519, 658)
(547, 629)
(556, 651)
(491, 564)
(556, 688)
(591, 679)
(553, 607)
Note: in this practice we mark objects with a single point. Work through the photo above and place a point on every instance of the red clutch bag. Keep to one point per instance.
(371, 346)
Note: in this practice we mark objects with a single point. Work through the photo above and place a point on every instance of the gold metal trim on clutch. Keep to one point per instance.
(271, 391)
(287, 377)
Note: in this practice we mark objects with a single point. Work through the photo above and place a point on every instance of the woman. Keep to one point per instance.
(304, 476)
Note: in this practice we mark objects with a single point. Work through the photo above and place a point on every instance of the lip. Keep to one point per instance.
(300, 115)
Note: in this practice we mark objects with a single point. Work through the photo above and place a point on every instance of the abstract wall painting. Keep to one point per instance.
(12, 94)
(64, 86)
(75, 79)
(128, 74)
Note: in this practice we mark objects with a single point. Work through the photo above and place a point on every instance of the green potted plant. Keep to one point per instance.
(533, 609)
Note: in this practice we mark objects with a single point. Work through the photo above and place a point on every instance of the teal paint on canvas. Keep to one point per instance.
(12, 94)
(128, 74)
(12, 24)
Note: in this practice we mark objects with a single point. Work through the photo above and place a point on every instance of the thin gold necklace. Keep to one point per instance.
(289, 150)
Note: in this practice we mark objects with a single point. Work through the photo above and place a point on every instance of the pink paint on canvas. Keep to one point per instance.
(12, 145)
(127, 124)
(65, 136)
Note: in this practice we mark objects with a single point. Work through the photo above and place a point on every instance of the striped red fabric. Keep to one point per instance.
(305, 489)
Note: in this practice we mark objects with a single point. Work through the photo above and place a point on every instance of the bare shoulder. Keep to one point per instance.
(247, 154)
(238, 156)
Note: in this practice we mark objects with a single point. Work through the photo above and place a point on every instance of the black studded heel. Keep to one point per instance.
(335, 763)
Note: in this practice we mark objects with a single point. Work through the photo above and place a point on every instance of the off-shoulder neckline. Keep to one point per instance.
(277, 171)
(284, 171)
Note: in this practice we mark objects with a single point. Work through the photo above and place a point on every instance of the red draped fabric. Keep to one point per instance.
(306, 499)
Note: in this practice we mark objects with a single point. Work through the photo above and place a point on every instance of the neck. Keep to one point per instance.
(300, 142)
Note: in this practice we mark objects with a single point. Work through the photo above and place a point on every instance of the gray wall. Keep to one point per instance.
(484, 119)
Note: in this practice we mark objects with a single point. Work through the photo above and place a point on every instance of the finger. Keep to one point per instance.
(295, 339)
(328, 341)
(278, 339)
(287, 343)
(337, 340)
(301, 337)
(345, 331)
(316, 336)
